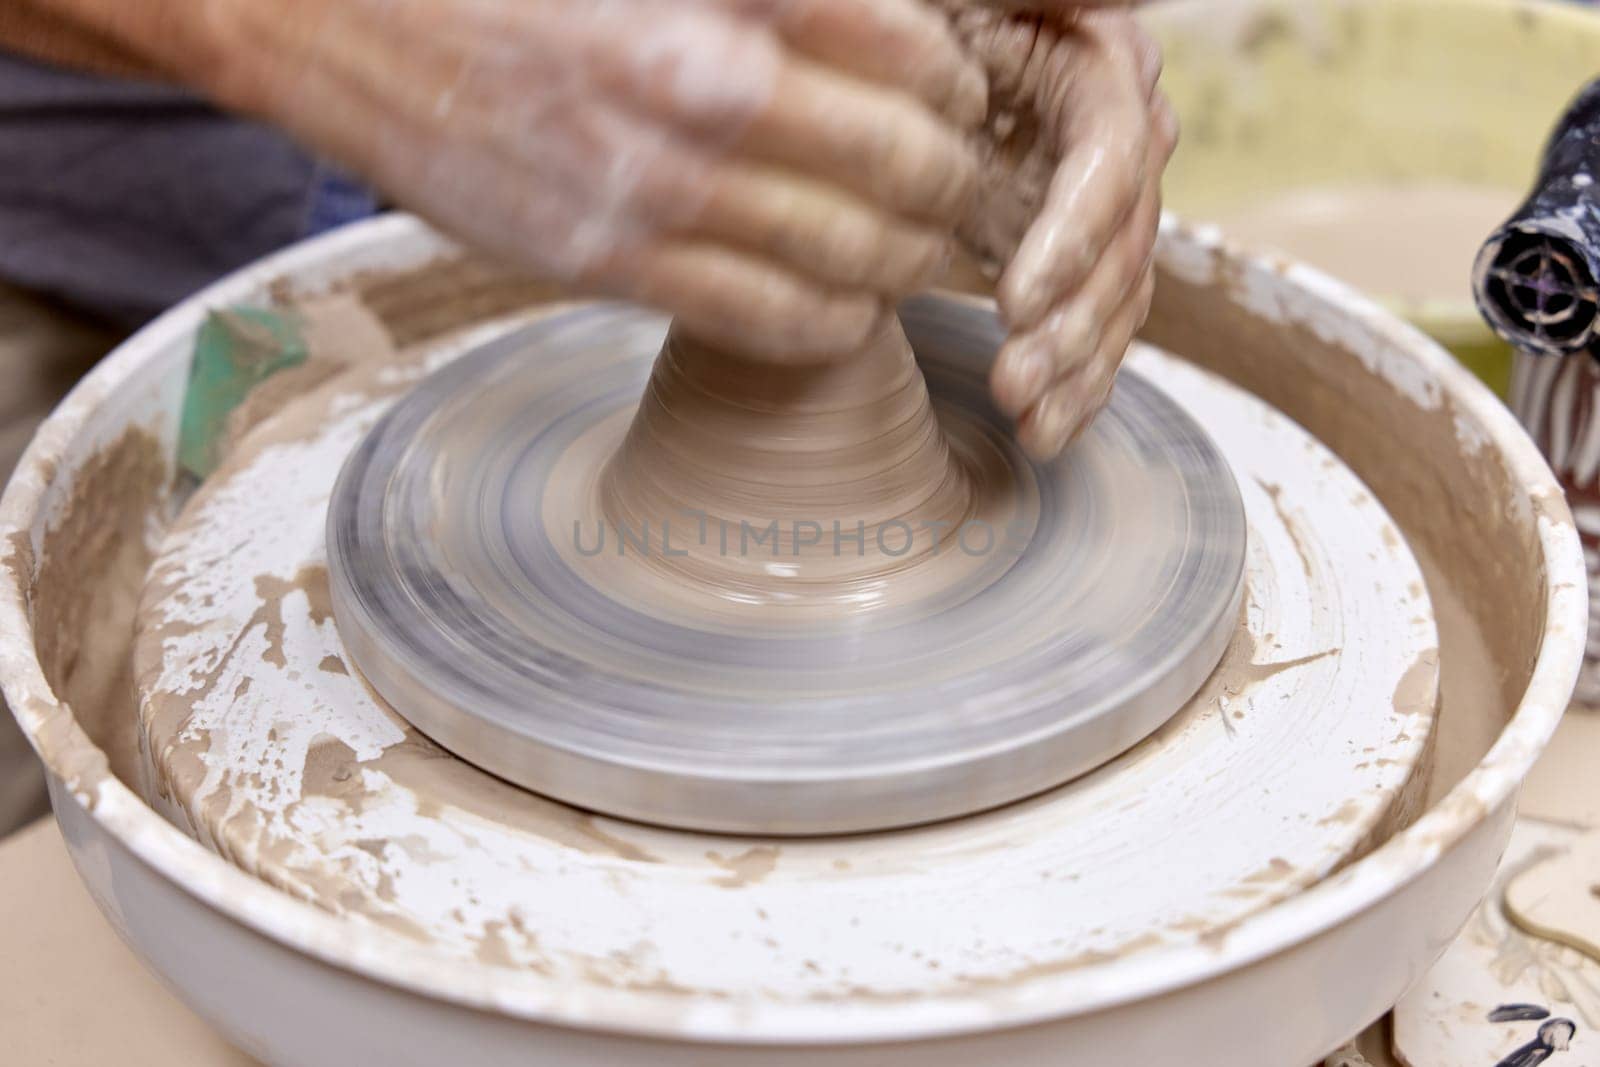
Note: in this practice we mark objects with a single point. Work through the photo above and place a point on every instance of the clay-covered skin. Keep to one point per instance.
(769, 171)
(774, 173)
(1077, 137)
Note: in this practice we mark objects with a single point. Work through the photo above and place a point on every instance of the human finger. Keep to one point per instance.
(1031, 362)
(834, 238)
(879, 144)
(1069, 405)
(1107, 126)
(742, 302)
(896, 44)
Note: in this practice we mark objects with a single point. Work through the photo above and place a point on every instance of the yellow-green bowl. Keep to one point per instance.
(1277, 95)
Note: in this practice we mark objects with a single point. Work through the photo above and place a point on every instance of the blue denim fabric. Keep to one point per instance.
(335, 200)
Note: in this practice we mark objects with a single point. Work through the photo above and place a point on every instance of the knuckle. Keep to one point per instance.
(917, 170)
(1167, 125)
(1073, 331)
(1152, 60)
(872, 148)
(850, 250)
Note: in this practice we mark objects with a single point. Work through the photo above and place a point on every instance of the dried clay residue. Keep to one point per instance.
(1448, 497)
(1234, 677)
(82, 591)
(747, 868)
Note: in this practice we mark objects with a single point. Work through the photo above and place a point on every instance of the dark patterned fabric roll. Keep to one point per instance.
(1535, 284)
(1535, 278)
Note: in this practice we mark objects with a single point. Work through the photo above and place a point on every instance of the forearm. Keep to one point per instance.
(169, 40)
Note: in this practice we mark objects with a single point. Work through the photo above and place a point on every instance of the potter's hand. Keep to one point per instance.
(770, 172)
(1078, 136)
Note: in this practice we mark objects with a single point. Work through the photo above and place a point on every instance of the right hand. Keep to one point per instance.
(1071, 200)
(772, 172)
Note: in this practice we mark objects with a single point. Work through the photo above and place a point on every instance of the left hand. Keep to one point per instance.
(1077, 137)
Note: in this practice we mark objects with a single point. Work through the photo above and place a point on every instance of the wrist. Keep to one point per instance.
(218, 51)
(221, 49)
(162, 38)
(255, 56)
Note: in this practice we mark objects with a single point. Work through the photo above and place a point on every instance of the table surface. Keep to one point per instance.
(71, 993)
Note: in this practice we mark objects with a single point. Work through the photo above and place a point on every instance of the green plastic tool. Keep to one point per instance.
(235, 350)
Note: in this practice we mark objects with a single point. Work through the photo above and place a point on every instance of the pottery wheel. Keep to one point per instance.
(1305, 747)
(480, 591)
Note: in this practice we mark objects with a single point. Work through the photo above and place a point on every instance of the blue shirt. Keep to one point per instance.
(120, 198)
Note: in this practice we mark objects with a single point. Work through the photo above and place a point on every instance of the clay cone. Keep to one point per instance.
(819, 475)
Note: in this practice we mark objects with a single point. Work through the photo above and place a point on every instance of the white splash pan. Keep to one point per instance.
(293, 984)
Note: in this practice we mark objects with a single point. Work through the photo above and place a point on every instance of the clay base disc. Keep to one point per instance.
(478, 588)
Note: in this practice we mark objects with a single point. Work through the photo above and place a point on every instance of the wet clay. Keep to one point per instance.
(97, 557)
(88, 579)
(1408, 242)
(740, 443)
(774, 493)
